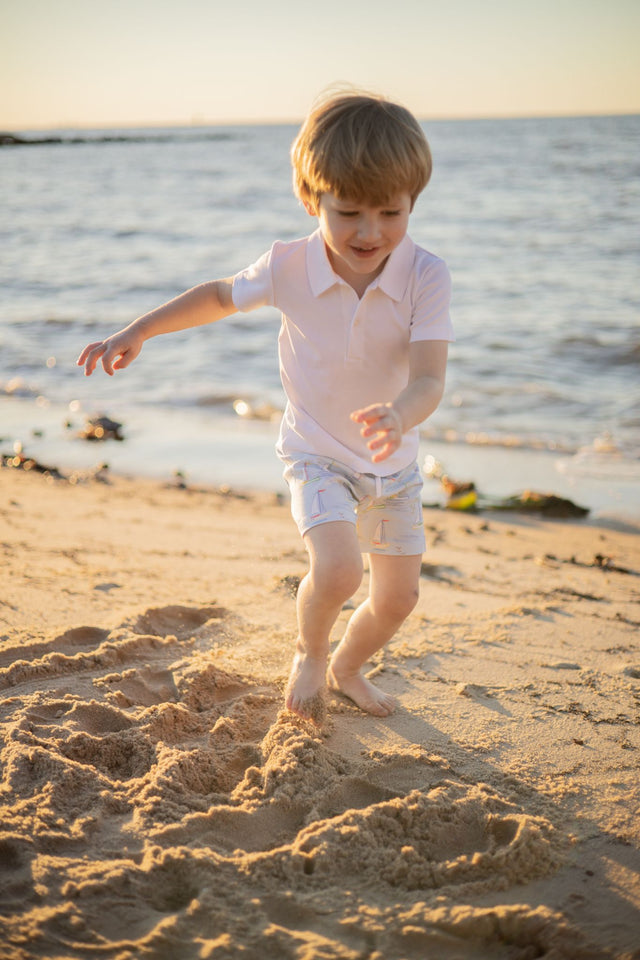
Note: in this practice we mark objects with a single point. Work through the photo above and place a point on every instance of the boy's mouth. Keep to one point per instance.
(365, 251)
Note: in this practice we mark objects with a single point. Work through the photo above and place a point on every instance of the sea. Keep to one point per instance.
(538, 220)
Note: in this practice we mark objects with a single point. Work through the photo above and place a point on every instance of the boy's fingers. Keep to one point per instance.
(384, 426)
(375, 413)
(110, 358)
(90, 364)
(371, 423)
(125, 357)
(107, 361)
(85, 353)
(368, 413)
(384, 442)
(92, 361)
(90, 356)
(382, 455)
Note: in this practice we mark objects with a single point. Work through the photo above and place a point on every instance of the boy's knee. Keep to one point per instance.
(335, 560)
(339, 577)
(397, 605)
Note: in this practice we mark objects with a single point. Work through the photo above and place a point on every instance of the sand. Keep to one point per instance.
(158, 801)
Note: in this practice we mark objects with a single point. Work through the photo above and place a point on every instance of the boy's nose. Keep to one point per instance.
(368, 228)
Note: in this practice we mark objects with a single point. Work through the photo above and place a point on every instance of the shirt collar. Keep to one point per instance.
(319, 270)
(393, 280)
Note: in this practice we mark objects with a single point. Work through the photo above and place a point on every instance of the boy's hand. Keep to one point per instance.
(383, 423)
(116, 352)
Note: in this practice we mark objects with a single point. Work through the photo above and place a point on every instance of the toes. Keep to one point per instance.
(312, 708)
(380, 708)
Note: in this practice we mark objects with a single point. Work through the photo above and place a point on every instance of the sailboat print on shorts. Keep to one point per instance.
(317, 506)
(380, 536)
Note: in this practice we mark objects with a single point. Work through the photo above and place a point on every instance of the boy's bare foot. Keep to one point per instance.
(306, 687)
(363, 693)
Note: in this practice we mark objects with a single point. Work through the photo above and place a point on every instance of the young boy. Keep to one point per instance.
(363, 349)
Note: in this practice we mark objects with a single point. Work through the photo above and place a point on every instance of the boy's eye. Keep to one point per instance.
(348, 213)
(391, 213)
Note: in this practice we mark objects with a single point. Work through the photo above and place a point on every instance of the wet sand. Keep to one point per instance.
(157, 801)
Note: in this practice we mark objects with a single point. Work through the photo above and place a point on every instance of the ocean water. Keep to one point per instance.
(537, 219)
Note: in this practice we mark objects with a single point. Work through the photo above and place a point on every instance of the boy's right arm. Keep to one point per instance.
(205, 303)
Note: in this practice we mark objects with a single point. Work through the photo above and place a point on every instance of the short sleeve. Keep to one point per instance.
(430, 317)
(253, 287)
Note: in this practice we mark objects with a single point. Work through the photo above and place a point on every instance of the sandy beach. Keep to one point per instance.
(157, 801)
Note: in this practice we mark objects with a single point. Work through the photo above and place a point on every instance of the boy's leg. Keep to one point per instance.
(393, 593)
(335, 572)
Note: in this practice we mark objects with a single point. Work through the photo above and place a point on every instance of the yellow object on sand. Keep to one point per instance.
(465, 500)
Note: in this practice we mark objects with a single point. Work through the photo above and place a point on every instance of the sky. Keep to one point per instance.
(69, 63)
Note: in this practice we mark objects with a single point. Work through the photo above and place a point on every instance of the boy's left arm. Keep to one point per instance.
(385, 423)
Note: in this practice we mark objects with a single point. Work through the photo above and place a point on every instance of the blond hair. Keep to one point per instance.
(360, 147)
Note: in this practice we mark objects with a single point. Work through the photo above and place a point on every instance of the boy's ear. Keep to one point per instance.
(310, 206)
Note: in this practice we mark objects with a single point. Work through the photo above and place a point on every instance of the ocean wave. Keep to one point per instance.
(590, 463)
(588, 347)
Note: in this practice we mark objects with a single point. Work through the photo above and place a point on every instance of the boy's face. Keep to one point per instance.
(359, 238)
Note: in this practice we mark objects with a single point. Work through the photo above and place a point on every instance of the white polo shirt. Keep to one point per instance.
(339, 353)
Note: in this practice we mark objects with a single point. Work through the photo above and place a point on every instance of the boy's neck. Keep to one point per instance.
(357, 281)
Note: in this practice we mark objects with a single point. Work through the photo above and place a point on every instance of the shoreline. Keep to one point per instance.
(207, 448)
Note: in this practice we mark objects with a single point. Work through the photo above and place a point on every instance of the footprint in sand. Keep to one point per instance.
(16, 871)
(140, 686)
(120, 756)
(203, 688)
(61, 716)
(43, 710)
(176, 620)
(73, 641)
(96, 718)
(15, 852)
(80, 638)
(451, 835)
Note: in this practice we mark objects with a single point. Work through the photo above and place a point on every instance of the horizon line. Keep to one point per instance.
(198, 121)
